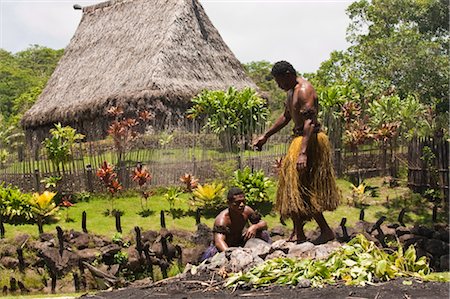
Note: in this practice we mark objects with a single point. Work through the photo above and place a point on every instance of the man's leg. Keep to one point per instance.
(298, 234)
(326, 233)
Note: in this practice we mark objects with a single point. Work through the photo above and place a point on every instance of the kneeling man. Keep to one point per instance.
(229, 226)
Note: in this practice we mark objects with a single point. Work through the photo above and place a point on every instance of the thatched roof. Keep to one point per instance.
(139, 54)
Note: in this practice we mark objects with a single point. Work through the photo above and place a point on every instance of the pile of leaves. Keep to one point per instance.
(359, 262)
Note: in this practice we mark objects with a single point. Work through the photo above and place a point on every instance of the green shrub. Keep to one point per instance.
(254, 184)
(209, 197)
(15, 206)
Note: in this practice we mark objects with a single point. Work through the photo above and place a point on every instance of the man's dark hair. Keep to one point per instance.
(233, 192)
(282, 68)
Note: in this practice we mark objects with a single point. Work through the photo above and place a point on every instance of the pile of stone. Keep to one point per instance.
(257, 251)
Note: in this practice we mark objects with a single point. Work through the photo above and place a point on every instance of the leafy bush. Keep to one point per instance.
(15, 206)
(209, 197)
(59, 146)
(172, 194)
(233, 115)
(254, 184)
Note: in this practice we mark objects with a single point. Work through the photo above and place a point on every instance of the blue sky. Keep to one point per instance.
(300, 31)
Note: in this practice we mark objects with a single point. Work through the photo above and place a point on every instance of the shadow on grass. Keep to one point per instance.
(418, 210)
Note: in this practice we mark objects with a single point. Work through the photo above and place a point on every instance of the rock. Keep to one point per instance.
(401, 230)
(9, 262)
(203, 235)
(60, 264)
(81, 241)
(134, 263)
(258, 247)
(99, 241)
(276, 254)
(278, 231)
(193, 255)
(442, 235)
(88, 254)
(444, 263)
(303, 250)
(240, 259)
(20, 239)
(362, 226)
(147, 236)
(108, 253)
(216, 261)
(422, 231)
(324, 250)
(46, 237)
(436, 247)
(282, 245)
(304, 283)
(8, 250)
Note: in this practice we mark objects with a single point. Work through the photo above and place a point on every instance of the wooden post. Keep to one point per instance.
(83, 277)
(149, 260)
(197, 216)
(139, 246)
(118, 225)
(20, 258)
(60, 233)
(361, 215)
(37, 180)
(435, 213)
(89, 181)
(162, 219)
(12, 285)
(83, 222)
(2, 227)
(76, 282)
(400, 217)
(53, 277)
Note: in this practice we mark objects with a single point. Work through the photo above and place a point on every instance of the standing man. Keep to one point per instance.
(307, 184)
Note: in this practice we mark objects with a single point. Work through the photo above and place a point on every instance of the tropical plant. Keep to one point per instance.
(51, 182)
(172, 194)
(358, 197)
(66, 202)
(254, 184)
(109, 179)
(59, 145)
(43, 207)
(209, 196)
(359, 262)
(142, 176)
(165, 139)
(233, 115)
(190, 181)
(14, 205)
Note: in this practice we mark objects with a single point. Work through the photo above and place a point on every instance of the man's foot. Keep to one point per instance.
(294, 238)
(324, 238)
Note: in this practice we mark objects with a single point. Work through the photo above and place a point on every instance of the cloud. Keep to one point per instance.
(302, 32)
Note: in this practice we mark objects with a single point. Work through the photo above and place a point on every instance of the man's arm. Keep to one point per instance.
(255, 227)
(304, 103)
(220, 230)
(280, 123)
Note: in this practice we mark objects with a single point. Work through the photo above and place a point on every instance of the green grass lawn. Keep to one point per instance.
(388, 202)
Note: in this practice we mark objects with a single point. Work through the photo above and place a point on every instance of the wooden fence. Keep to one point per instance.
(428, 165)
(200, 155)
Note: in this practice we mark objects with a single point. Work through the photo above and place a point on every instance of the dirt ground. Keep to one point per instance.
(187, 288)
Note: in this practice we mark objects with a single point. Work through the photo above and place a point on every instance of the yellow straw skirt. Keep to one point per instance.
(313, 189)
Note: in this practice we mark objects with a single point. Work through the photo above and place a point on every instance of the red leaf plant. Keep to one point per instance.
(109, 179)
(142, 176)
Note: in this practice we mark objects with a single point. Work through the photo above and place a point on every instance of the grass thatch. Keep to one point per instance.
(141, 55)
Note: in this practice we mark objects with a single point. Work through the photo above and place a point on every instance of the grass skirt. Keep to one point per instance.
(312, 190)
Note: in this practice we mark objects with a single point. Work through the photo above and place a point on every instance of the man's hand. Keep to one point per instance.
(251, 232)
(258, 143)
(301, 162)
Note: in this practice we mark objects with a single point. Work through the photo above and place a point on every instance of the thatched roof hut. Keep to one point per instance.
(137, 54)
